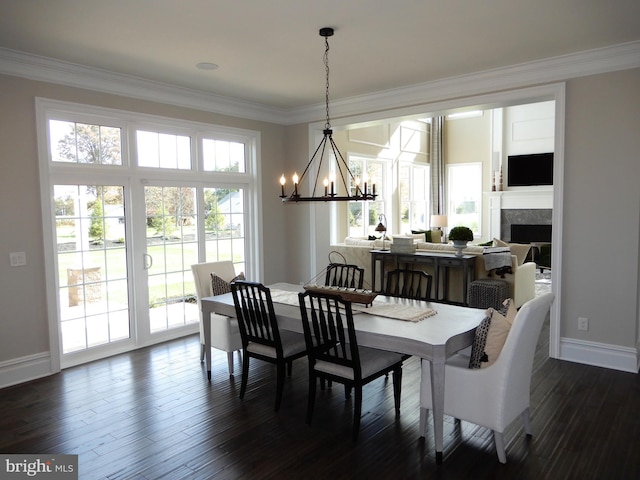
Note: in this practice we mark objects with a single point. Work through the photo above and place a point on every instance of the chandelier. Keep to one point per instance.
(360, 187)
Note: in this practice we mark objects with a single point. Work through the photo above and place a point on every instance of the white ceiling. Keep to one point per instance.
(270, 53)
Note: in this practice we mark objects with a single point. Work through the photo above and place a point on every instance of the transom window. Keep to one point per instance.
(223, 156)
(73, 142)
(163, 150)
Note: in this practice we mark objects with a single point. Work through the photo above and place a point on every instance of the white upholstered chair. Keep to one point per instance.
(493, 396)
(225, 334)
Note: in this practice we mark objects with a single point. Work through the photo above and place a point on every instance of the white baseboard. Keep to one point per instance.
(24, 369)
(599, 354)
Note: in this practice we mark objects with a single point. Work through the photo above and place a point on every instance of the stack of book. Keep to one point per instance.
(403, 245)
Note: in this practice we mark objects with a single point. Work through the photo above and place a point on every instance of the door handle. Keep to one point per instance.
(147, 261)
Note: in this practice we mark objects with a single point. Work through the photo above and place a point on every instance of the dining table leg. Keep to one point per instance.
(437, 398)
(206, 324)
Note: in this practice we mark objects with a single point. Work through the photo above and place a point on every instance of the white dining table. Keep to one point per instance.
(434, 338)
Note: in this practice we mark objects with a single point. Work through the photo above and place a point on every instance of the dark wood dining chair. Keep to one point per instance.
(334, 354)
(344, 275)
(414, 284)
(261, 337)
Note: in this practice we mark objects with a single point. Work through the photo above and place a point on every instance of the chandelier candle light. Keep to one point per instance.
(359, 192)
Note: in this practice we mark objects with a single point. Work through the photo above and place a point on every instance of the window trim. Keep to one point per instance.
(131, 177)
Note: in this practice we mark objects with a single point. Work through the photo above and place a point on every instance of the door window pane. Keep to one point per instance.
(91, 258)
(225, 226)
(172, 246)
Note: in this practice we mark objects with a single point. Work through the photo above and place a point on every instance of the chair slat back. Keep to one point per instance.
(255, 314)
(329, 330)
(344, 275)
(414, 284)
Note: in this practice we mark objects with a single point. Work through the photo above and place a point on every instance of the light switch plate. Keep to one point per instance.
(17, 259)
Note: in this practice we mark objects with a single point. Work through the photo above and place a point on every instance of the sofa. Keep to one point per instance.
(521, 279)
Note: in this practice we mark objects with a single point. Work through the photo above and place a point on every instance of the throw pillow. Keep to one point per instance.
(491, 335)
(520, 250)
(498, 332)
(477, 349)
(220, 286)
(427, 234)
(506, 306)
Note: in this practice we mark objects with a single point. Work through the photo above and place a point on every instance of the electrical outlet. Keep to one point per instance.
(17, 259)
(583, 323)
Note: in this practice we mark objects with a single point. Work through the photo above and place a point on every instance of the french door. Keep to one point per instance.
(184, 224)
(171, 249)
(91, 259)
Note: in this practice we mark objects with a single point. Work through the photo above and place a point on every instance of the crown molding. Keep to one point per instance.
(549, 70)
(44, 69)
(554, 69)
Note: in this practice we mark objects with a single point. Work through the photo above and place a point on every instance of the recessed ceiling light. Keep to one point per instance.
(206, 66)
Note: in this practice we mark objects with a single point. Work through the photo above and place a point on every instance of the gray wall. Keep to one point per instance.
(601, 208)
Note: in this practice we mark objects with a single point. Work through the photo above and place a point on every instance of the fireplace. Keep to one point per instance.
(527, 233)
(531, 219)
(518, 207)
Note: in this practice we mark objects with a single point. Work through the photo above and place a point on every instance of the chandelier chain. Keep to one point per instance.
(327, 125)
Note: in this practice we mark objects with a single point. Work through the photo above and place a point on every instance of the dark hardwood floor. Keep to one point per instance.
(152, 414)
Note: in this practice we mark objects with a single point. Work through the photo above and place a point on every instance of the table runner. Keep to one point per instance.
(406, 310)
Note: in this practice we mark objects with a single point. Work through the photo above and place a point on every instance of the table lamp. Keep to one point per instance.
(382, 228)
(440, 222)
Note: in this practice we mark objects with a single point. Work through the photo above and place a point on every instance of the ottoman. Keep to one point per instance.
(487, 292)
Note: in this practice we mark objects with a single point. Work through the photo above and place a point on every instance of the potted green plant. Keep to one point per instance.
(460, 236)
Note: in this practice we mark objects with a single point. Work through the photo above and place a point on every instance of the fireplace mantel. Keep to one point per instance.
(516, 199)
(522, 199)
